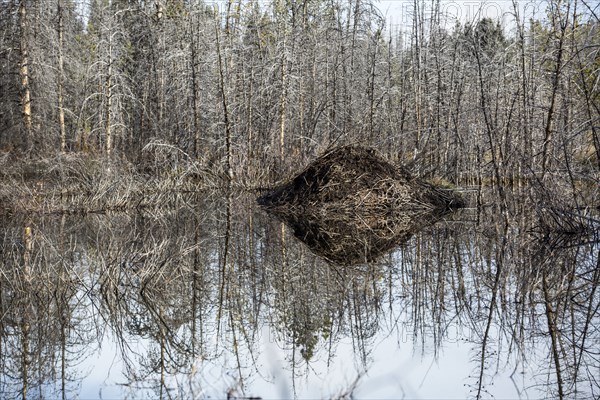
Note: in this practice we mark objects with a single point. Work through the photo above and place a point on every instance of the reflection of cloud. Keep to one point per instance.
(105, 368)
(274, 360)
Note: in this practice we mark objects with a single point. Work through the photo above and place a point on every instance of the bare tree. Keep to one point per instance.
(24, 72)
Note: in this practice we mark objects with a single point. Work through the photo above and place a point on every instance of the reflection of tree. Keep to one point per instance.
(522, 291)
(151, 271)
(538, 289)
(39, 306)
(315, 303)
(565, 252)
(513, 286)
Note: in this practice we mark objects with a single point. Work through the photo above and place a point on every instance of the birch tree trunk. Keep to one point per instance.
(24, 73)
(61, 110)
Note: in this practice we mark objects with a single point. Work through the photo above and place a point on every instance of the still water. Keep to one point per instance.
(211, 296)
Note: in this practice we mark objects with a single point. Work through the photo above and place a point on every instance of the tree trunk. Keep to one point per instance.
(108, 93)
(61, 110)
(228, 163)
(549, 129)
(24, 73)
(282, 105)
(195, 94)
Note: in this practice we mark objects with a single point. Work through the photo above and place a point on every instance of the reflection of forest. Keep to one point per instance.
(515, 280)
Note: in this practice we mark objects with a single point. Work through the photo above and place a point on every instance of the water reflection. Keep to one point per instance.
(351, 205)
(359, 236)
(214, 296)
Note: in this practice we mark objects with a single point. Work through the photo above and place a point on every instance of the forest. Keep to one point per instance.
(171, 93)
(136, 137)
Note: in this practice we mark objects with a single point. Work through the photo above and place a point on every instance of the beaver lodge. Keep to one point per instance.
(351, 205)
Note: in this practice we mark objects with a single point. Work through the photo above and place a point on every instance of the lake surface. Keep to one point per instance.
(211, 296)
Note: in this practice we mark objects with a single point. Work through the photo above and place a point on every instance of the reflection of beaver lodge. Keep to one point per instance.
(350, 205)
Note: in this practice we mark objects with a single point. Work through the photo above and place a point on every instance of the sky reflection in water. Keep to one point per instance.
(217, 297)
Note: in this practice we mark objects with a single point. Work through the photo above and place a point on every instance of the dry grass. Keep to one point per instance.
(82, 183)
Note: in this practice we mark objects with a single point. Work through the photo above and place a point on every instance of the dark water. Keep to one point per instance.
(212, 297)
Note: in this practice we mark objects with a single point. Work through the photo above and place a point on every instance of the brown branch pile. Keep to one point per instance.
(351, 205)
